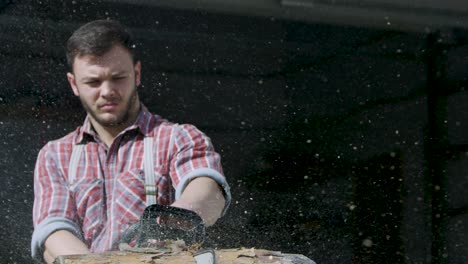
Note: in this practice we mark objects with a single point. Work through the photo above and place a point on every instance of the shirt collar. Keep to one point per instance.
(142, 124)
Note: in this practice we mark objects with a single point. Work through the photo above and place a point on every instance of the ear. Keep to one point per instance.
(137, 73)
(72, 82)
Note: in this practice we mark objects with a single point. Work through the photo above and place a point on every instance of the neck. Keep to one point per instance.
(106, 134)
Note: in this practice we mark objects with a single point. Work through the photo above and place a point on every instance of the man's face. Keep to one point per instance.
(107, 87)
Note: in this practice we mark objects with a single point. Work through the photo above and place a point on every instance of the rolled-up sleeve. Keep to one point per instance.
(53, 203)
(194, 156)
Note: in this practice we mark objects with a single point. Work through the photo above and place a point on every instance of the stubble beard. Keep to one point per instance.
(120, 119)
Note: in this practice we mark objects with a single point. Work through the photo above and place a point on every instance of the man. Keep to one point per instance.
(85, 199)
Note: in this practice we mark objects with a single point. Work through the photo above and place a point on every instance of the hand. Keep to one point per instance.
(63, 242)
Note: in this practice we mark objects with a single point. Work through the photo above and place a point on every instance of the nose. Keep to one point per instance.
(107, 89)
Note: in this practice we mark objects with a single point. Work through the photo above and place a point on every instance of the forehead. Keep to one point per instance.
(118, 58)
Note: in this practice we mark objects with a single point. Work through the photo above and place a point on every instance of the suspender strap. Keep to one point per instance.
(151, 190)
(75, 158)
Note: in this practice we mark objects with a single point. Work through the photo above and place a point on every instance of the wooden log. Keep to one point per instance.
(223, 256)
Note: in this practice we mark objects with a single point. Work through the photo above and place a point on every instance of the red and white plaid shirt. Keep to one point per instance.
(107, 195)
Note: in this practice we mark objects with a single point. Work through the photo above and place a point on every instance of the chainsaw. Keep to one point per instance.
(168, 230)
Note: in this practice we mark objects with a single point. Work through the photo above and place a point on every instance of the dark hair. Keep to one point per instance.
(98, 37)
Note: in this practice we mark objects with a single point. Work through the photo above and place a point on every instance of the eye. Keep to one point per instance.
(118, 78)
(93, 83)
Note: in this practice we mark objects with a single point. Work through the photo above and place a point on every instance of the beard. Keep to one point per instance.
(120, 118)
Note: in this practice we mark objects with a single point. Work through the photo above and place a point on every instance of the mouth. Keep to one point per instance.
(108, 106)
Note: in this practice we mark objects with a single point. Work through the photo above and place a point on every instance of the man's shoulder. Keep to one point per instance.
(163, 125)
(154, 124)
(157, 123)
(65, 141)
(164, 130)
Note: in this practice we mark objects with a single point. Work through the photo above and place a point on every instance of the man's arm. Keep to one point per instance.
(55, 229)
(198, 175)
(63, 242)
(204, 196)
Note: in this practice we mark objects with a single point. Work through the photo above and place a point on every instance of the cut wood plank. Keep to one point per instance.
(223, 256)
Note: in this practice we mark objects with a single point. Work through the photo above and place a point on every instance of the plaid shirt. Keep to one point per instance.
(107, 195)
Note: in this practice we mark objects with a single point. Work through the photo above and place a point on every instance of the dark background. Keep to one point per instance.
(343, 135)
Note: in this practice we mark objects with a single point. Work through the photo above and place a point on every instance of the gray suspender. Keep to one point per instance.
(151, 189)
(75, 158)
